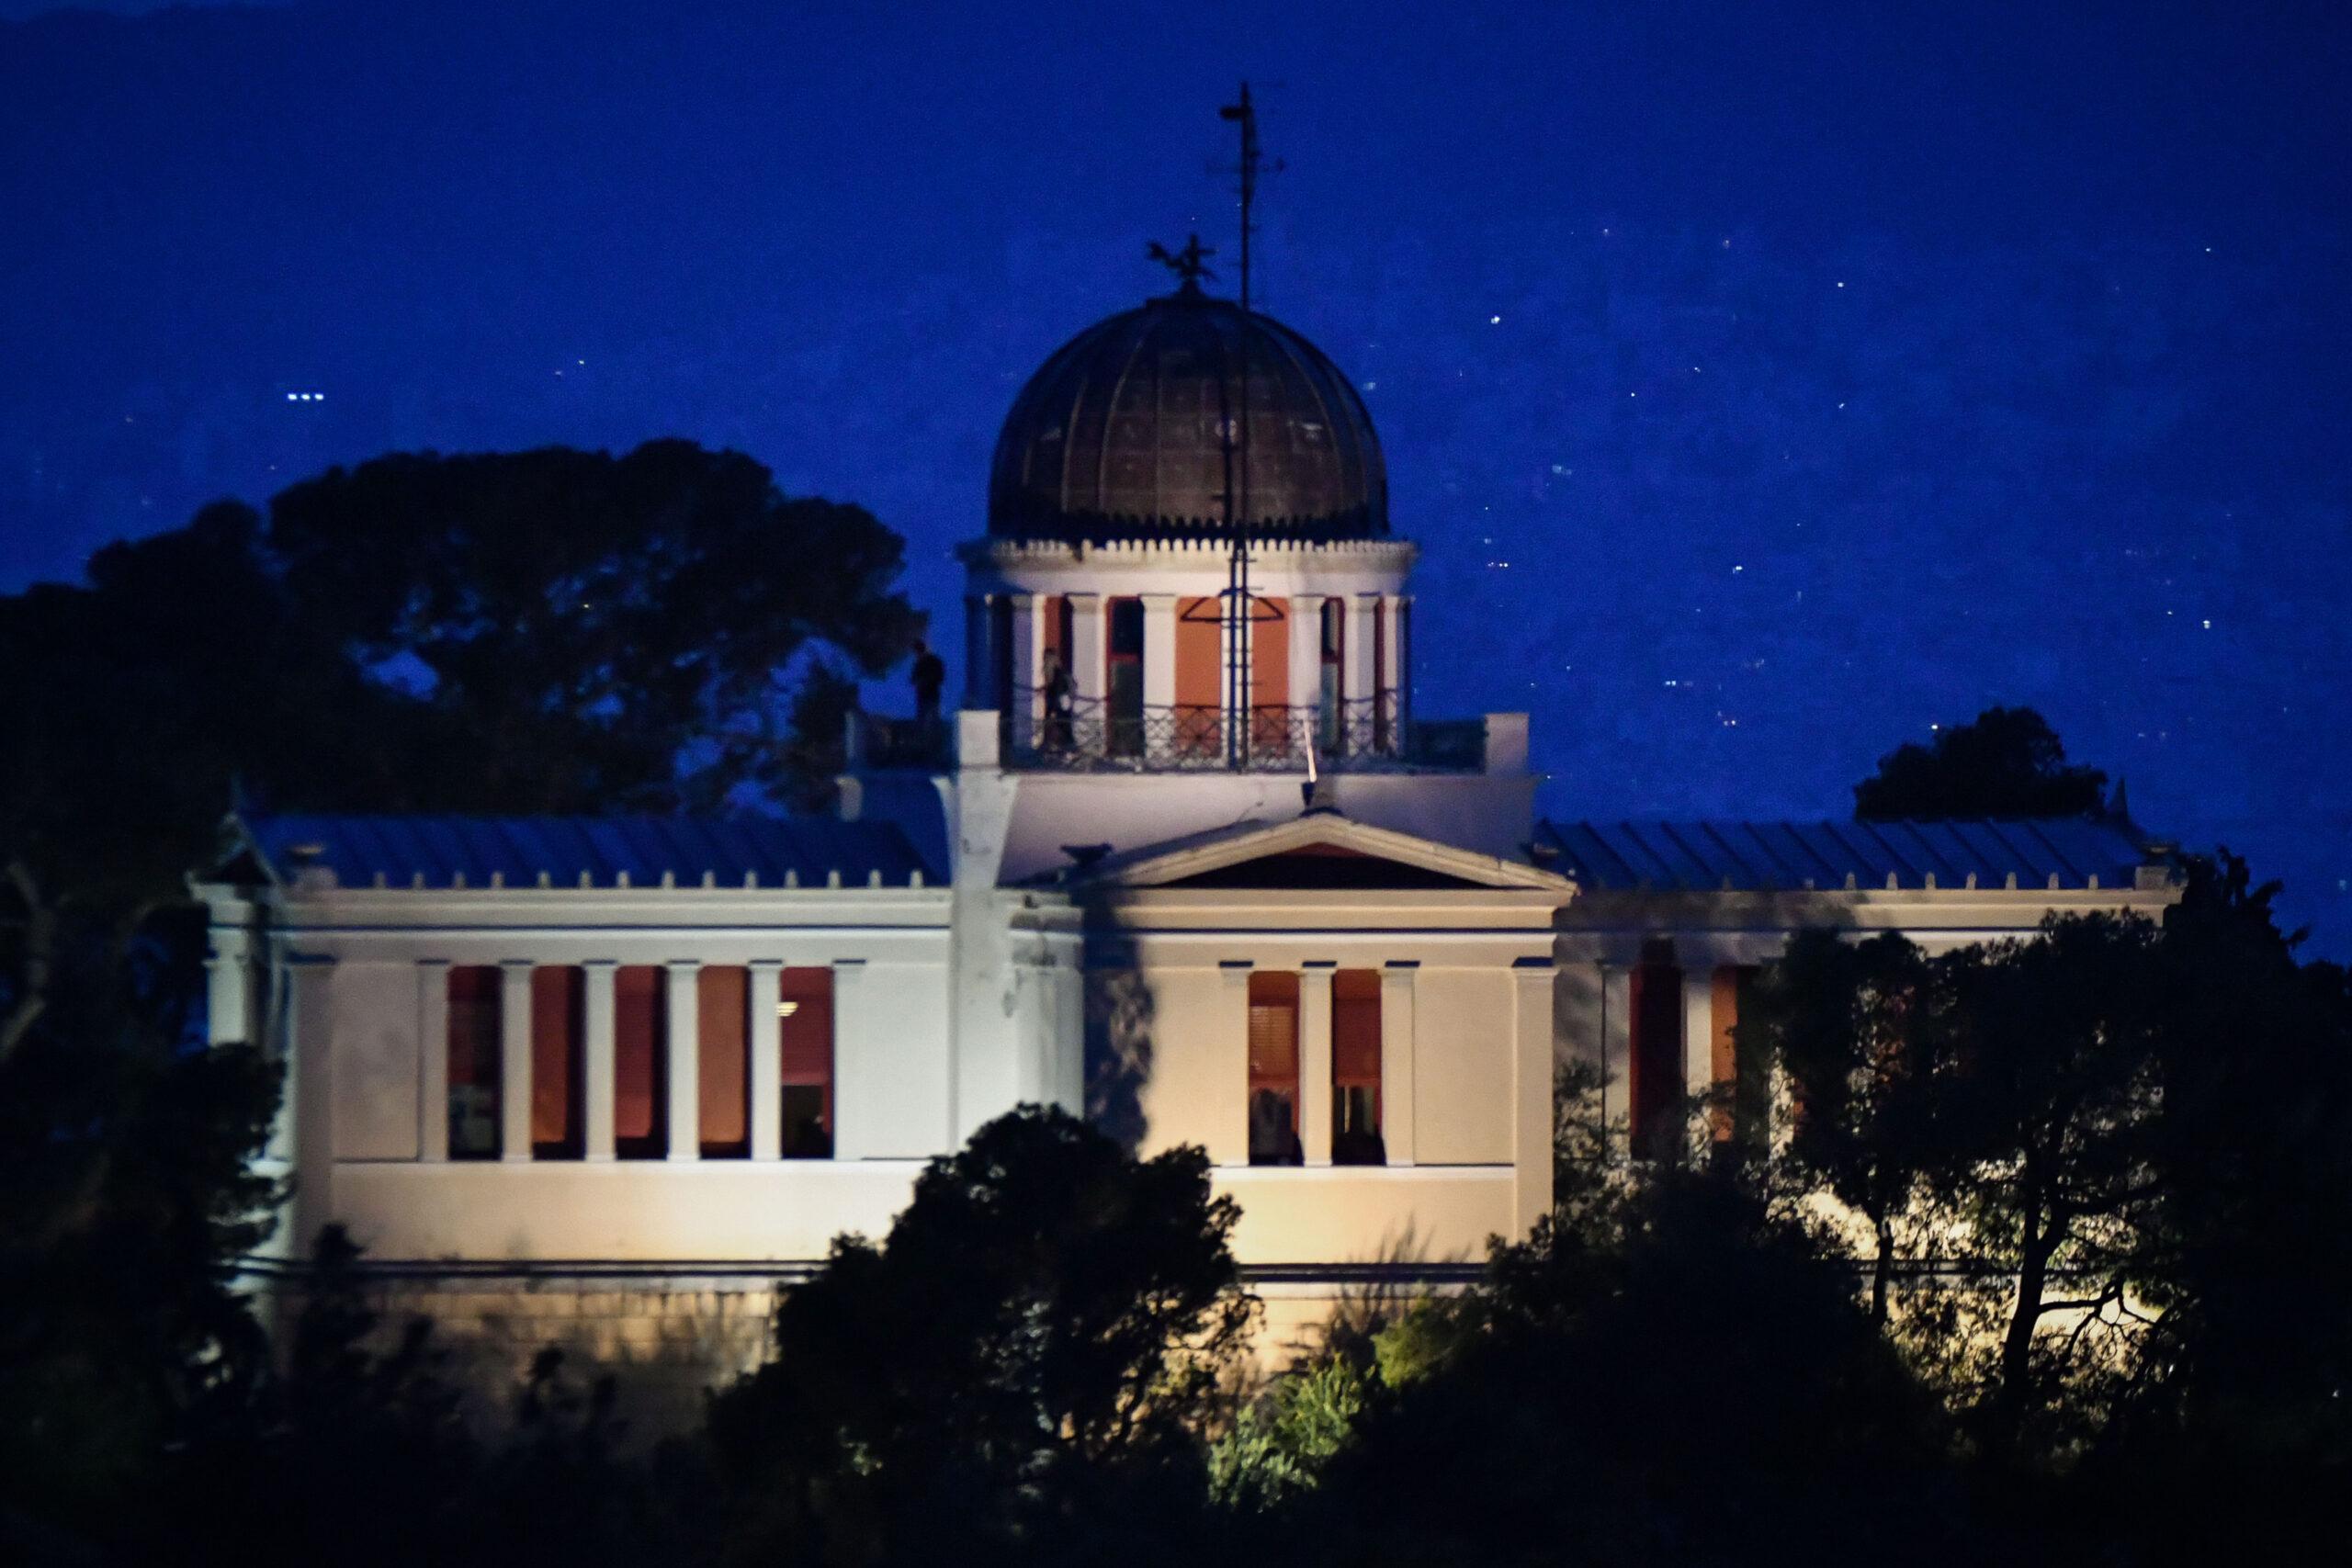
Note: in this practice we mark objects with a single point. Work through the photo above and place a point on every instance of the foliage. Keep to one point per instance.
(2005, 762)
(1852, 1023)
(124, 1183)
(571, 623)
(1026, 1360)
(1669, 1375)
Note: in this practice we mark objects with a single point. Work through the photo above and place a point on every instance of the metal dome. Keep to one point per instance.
(1131, 431)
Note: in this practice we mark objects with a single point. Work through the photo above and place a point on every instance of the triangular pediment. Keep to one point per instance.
(1319, 851)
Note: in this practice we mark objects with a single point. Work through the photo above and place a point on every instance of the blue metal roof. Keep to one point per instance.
(573, 852)
(1715, 856)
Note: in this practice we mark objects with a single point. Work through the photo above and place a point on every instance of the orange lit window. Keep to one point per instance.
(1355, 1068)
(640, 1061)
(723, 1007)
(805, 1025)
(558, 1016)
(1273, 1069)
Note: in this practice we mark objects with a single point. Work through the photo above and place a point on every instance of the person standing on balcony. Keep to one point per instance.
(930, 673)
(1058, 693)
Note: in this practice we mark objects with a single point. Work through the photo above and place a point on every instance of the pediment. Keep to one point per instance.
(1318, 852)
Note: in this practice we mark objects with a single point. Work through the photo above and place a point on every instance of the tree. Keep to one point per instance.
(1673, 1375)
(2005, 763)
(1028, 1358)
(582, 631)
(1850, 1022)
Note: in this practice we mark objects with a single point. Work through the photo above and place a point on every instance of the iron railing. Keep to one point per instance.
(1369, 734)
(1366, 734)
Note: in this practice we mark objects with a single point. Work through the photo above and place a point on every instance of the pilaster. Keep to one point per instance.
(1086, 652)
(1532, 1089)
(1396, 1068)
(596, 1049)
(433, 1052)
(515, 1060)
(685, 992)
(1314, 1061)
(767, 1059)
(1160, 650)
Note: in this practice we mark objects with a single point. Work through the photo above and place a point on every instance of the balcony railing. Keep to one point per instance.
(1368, 735)
(1087, 735)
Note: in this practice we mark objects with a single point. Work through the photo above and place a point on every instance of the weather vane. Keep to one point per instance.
(1190, 264)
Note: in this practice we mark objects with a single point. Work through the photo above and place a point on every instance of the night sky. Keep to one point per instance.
(1764, 382)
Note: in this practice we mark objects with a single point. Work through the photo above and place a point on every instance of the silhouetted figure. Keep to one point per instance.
(930, 673)
(1058, 703)
(1273, 1131)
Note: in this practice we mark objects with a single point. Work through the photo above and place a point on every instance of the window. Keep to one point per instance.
(640, 1061)
(1355, 1068)
(1329, 723)
(723, 1009)
(805, 1029)
(1200, 676)
(1383, 697)
(1655, 1059)
(475, 1041)
(1741, 1109)
(1273, 1069)
(557, 1019)
(1122, 688)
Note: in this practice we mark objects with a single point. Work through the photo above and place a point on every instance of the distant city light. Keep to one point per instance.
(306, 397)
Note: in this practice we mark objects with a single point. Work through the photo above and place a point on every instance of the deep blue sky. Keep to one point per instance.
(1765, 383)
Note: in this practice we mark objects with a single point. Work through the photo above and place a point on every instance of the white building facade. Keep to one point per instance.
(1186, 861)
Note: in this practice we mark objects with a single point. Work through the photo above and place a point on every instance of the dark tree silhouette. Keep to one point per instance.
(1023, 1364)
(1664, 1376)
(583, 631)
(1850, 1022)
(2005, 762)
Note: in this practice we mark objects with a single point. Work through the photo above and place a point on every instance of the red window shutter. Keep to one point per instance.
(475, 1008)
(640, 1067)
(1274, 1032)
(1655, 1059)
(723, 1006)
(807, 1030)
(557, 1009)
(1355, 1028)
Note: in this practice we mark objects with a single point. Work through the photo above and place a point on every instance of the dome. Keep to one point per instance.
(1122, 435)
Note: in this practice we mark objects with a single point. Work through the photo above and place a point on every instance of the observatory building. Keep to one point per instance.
(1186, 859)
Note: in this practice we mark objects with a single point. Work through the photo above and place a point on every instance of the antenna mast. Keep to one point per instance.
(1238, 600)
(1247, 114)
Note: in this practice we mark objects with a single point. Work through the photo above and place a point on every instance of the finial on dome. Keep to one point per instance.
(1190, 264)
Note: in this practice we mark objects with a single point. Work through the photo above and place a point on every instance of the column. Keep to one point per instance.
(1086, 652)
(1028, 666)
(228, 986)
(1314, 1061)
(853, 1095)
(596, 1048)
(1306, 667)
(1532, 1086)
(767, 1059)
(1616, 1056)
(1160, 650)
(1400, 645)
(1357, 684)
(514, 1059)
(685, 1059)
(1397, 1060)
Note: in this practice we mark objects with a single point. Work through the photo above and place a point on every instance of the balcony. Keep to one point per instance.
(1087, 736)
